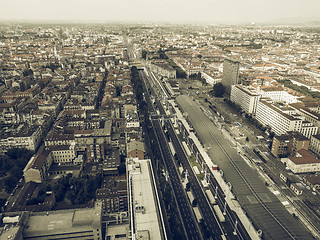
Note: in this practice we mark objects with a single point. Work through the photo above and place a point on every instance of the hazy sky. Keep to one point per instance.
(211, 11)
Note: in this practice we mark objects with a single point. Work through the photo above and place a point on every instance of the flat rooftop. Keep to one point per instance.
(59, 222)
(145, 211)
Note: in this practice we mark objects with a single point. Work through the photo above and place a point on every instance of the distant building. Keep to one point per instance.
(230, 73)
(277, 93)
(163, 68)
(288, 144)
(309, 115)
(111, 164)
(58, 139)
(245, 97)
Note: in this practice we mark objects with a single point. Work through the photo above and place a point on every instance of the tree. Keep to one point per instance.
(27, 72)
(247, 139)
(122, 168)
(194, 203)
(188, 186)
(144, 54)
(118, 90)
(22, 86)
(10, 183)
(218, 89)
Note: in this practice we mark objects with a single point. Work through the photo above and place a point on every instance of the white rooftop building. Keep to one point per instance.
(143, 201)
(246, 98)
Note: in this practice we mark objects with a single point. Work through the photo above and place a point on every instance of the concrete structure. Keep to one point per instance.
(11, 225)
(230, 73)
(277, 93)
(38, 166)
(274, 117)
(313, 181)
(303, 162)
(111, 164)
(310, 116)
(315, 144)
(245, 97)
(163, 68)
(288, 144)
(143, 201)
(63, 153)
(308, 129)
(28, 138)
(135, 149)
(79, 224)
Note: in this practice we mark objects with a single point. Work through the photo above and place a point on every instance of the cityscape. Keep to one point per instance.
(156, 130)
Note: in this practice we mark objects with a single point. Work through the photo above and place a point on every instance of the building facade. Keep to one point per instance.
(288, 144)
(280, 122)
(230, 73)
(315, 144)
(29, 140)
(303, 162)
(38, 166)
(246, 98)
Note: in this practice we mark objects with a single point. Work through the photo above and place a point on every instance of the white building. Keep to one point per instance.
(310, 116)
(314, 145)
(143, 201)
(63, 153)
(308, 129)
(274, 117)
(303, 162)
(245, 97)
(277, 94)
(29, 140)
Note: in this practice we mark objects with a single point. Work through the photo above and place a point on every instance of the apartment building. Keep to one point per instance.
(315, 144)
(63, 153)
(308, 129)
(280, 122)
(288, 144)
(38, 166)
(162, 68)
(277, 93)
(245, 97)
(21, 136)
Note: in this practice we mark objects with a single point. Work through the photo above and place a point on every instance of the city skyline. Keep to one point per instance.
(204, 11)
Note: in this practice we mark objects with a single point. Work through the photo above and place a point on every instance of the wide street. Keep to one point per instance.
(265, 210)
